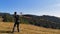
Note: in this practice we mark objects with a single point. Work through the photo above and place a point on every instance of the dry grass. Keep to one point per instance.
(26, 29)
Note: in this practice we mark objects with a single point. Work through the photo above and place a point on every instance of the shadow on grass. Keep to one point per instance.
(1, 31)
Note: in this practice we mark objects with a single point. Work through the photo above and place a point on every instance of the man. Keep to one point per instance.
(16, 20)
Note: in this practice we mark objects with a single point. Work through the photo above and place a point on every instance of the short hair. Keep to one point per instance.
(15, 12)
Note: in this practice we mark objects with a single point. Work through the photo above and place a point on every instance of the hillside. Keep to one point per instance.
(44, 20)
(45, 17)
(26, 29)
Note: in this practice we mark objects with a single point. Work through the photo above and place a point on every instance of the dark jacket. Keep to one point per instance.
(16, 19)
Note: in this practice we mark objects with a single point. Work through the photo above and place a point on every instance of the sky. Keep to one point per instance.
(34, 7)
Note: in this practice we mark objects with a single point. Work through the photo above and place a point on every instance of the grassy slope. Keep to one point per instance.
(27, 29)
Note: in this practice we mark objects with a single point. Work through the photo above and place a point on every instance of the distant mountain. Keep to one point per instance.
(45, 17)
(2, 14)
(44, 20)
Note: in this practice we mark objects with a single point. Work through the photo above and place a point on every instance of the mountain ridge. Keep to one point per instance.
(44, 21)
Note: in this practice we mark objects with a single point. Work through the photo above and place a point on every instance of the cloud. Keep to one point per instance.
(53, 10)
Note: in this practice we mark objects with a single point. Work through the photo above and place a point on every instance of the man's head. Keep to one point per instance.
(15, 13)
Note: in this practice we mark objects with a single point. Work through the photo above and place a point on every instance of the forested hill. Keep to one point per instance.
(45, 17)
(44, 20)
(1, 14)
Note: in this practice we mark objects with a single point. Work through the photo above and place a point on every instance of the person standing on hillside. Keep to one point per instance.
(17, 21)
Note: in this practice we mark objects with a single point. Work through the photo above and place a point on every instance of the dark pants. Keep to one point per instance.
(16, 24)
